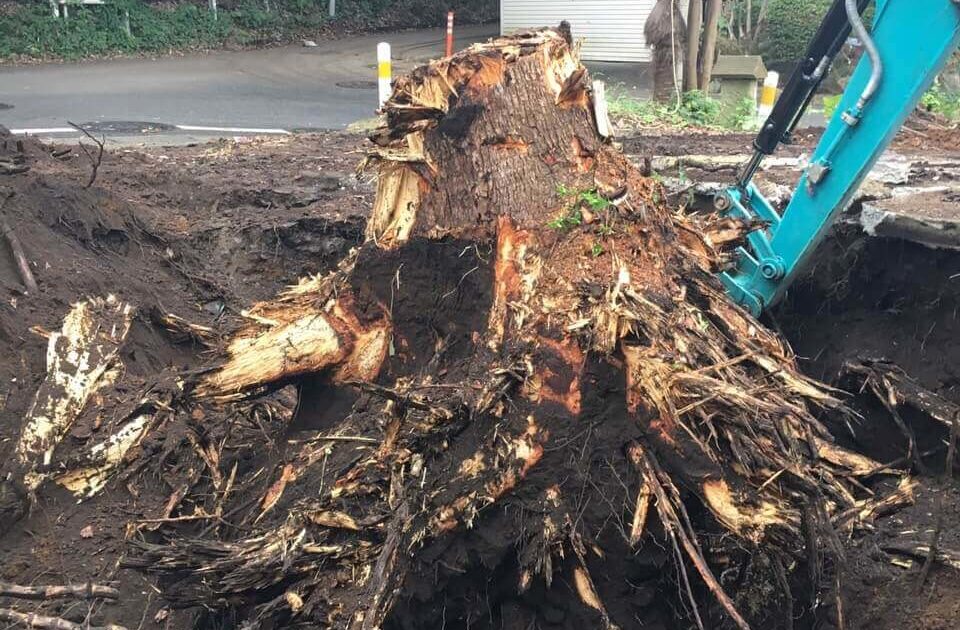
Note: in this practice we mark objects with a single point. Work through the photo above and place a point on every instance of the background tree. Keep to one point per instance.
(666, 32)
(703, 18)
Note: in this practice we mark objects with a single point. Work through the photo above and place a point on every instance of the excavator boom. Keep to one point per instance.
(908, 45)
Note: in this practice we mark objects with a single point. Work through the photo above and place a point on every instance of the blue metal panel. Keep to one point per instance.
(915, 39)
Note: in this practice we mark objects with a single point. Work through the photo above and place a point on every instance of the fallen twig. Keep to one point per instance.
(946, 557)
(94, 161)
(23, 266)
(84, 591)
(32, 620)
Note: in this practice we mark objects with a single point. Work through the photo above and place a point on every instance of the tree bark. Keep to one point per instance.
(694, 28)
(534, 341)
(665, 31)
(708, 54)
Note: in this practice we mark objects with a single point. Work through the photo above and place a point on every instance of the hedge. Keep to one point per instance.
(790, 26)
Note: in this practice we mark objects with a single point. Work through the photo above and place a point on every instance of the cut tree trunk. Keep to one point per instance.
(543, 376)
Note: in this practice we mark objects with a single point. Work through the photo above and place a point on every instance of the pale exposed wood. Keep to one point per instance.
(81, 591)
(81, 359)
(105, 457)
(641, 511)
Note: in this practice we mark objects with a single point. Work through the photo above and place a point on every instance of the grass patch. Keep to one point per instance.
(940, 100)
(696, 109)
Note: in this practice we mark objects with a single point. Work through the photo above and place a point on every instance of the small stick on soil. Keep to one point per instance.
(934, 544)
(952, 448)
(938, 529)
(23, 266)
(84, 591)
(946, 557)
(838, 593)
(94, 161)
(31, 620)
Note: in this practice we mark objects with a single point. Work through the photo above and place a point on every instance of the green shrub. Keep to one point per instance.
(830, 105)
(29, 29)
(699, 109)
(940, 100)
(744, 115)
(695, 109)
(790, 26)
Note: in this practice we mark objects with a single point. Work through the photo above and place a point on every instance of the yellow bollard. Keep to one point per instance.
(768, 96)
(384, 71)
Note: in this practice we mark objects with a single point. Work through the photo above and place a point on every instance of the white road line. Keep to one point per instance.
(37, 131)
(232, 129)
(41, 130)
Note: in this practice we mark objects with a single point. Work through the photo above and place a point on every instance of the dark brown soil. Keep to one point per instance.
(204, 231)
(888, 298)
(201, 232)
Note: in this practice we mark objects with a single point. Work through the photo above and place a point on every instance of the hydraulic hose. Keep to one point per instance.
(856, 21)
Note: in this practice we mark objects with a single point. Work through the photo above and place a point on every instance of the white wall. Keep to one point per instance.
(612, 29)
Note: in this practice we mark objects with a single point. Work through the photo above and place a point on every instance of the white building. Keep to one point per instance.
(612, 30)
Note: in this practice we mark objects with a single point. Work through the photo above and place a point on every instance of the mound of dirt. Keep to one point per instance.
(181, 234)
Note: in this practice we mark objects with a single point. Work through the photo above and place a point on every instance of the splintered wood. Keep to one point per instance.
(529, 373)
(81, 359)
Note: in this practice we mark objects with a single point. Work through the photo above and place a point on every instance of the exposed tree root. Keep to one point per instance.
(532, 354)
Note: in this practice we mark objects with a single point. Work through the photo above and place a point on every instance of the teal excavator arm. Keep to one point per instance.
(907, 47)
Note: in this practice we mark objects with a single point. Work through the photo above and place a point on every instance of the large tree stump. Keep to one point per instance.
(551, 398)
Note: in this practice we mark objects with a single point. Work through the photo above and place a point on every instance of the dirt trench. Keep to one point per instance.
(893, 299)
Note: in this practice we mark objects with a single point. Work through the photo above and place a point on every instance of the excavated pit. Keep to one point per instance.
(893, 299)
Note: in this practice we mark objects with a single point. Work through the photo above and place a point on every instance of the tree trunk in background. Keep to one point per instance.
(664, 77)
(665, 31)
(708, 54)
(694, 24)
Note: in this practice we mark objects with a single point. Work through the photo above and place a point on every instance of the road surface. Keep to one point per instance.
(290, 88)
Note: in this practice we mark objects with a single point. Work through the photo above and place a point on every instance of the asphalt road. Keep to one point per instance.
(233, 92)
(293, 87)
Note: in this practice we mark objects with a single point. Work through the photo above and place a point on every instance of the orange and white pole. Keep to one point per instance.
(384, 72)
(768, 96)
(450, 34)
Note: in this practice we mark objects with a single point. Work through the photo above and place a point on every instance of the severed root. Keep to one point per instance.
(291, 337)
(42, 622)
(897, 391)
(863, 513)
(82, 591)
(895, 388)
(921, 551)
(82, 358)
(667, 508)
